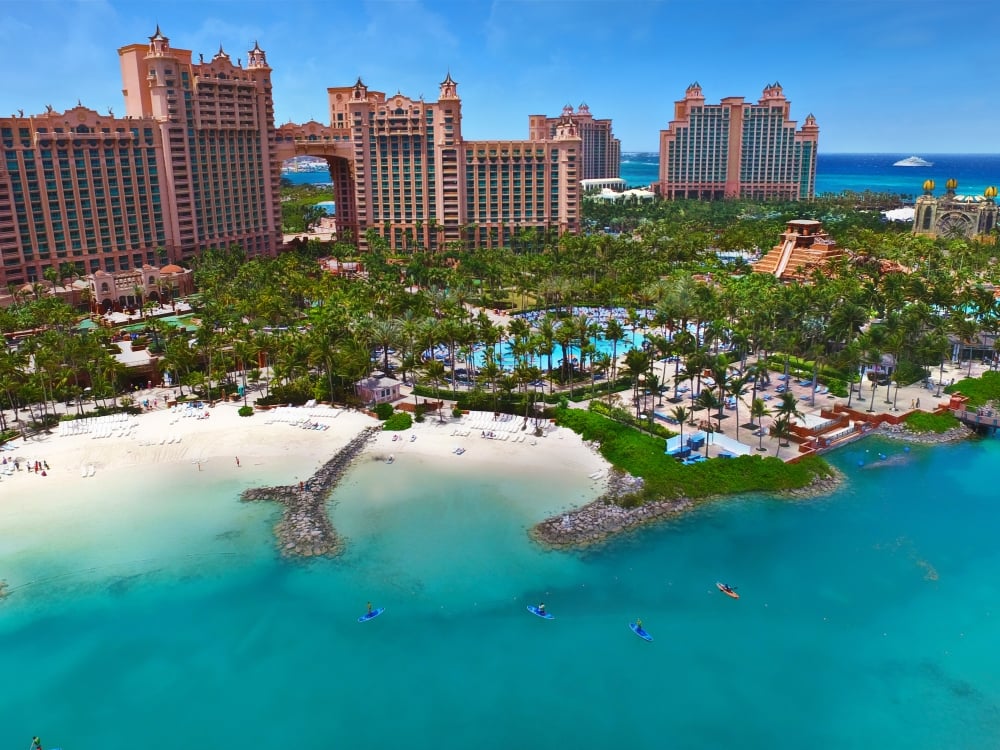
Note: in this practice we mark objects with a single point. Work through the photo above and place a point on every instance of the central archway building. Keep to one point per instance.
(402, 170)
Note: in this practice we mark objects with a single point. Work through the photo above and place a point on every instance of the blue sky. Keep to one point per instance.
(898, 76)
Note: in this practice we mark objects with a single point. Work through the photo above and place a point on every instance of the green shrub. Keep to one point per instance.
(837, 387)
(908, 373)
(980, 391)
(401, 420)
(294, 393)
(246, 411)
(383, 411)
(456, 412)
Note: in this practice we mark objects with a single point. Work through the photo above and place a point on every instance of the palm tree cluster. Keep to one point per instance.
(888, 312)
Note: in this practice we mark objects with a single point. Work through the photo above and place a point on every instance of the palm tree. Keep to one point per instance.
(680, 414)
(636, 364)
(966, 329)
(599, 363)
(692, 373)
(708, 401)
(738, 389)
(759, 410)
(788, 407)
(614, 332)
(781, 429)
(434, 371)
(383, 333)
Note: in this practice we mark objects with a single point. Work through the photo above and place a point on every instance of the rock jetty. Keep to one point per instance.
(606, 516)
(305, 529)
(620, 509)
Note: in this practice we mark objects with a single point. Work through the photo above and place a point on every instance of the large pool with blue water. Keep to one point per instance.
(866, 619)
(503, 353)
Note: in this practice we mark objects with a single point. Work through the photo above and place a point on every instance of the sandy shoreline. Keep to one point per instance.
(270, 448)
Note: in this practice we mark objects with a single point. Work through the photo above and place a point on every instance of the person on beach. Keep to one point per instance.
(237, 462)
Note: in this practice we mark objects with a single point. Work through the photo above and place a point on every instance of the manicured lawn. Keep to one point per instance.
(920, 421)
(979, 390)
(642, 456)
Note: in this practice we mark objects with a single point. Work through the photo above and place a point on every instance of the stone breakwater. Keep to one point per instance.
(305, 529)
(597, 521)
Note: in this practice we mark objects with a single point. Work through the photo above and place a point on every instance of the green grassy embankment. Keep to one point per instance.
(980, 391)
(642, 456)
(920, 421)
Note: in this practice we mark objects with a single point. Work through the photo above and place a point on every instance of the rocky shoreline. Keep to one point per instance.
(305, 529)
(597, 521)
(902, 432)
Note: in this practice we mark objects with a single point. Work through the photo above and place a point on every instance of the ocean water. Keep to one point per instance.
(867, 619)
(836, 173)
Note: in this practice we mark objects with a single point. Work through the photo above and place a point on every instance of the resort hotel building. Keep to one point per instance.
(195, 163)
(190, 166)
(601, 152)
(402, 170)
(736, 149)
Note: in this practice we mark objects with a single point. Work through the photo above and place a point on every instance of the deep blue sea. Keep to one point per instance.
(835, 173)
(866, 617)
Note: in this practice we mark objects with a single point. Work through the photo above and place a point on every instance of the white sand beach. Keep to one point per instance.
(185, 438)
(101, 499)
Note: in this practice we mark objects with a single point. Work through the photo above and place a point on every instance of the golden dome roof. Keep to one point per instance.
(951, 184)
(990, 192)
(928, 186)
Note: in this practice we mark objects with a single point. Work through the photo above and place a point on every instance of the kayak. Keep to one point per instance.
(540, 613)
(639, 631)
(371, 615)
(727, 590)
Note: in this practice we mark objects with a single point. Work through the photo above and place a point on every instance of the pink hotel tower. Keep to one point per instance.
(195, 163)
(402, 170)
(736, 149)
(191, 166)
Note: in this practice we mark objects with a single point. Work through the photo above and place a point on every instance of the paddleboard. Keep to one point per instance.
(537, 612)
(371, 615)
(639, 631)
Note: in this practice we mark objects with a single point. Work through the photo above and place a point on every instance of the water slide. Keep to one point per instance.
(786, 255)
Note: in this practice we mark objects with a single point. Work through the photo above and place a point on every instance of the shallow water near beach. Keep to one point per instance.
(866, 618)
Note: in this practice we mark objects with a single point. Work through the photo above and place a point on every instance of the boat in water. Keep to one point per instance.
(913, 161)
(726, 589)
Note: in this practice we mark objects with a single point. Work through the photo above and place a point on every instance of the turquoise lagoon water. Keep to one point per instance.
(867, 618)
